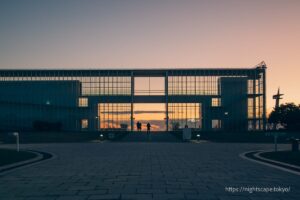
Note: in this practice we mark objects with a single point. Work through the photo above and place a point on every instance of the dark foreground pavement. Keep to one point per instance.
(146, 171)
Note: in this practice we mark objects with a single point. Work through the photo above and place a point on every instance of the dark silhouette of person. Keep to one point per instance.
(148, 131)
(148, 127)
(138, 126)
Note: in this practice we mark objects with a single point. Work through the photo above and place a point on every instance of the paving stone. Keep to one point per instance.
(40, 198)
(136, 196)
(72, 197)
(80, 188)
(200, 197)
(92, 192)
(169, 196)
(127, 170)
(105, 196)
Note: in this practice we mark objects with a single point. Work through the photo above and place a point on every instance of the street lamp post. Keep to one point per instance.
(16, 134)
(97, 123)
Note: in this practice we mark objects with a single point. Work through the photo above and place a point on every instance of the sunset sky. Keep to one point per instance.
(156, 34)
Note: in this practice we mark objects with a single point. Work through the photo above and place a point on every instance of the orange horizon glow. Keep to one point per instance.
(149, 107)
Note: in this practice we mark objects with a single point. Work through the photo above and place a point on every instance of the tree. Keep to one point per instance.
(287, 115)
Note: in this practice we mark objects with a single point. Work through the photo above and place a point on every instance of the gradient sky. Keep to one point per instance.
(155, 34)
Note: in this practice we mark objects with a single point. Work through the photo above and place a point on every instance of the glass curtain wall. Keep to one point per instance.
(109, 85)
(90, 85)
(182, 114)
(193, 85)
(118, 83)
(147, 86)
(82, 85)
(210, 86)
(114, 116)
(255, 103)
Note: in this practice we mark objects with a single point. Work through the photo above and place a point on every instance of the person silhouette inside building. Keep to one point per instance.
(148, 130)
(139, 126)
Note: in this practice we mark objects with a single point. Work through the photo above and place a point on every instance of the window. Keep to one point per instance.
(106, 85)
(215, 102)
(83, 102)
(114, 115)
(84, 124)
(148, 86)
(250, 108)
(216, 124)
(193, 85)
(181, 114)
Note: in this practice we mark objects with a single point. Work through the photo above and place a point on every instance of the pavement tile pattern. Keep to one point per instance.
(146, 170)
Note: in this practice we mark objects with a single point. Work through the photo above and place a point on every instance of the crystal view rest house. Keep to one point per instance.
(115, 99)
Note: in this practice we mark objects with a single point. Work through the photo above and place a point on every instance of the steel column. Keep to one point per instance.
(167, 103)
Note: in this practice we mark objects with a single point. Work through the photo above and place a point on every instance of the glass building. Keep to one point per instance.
(110, 99)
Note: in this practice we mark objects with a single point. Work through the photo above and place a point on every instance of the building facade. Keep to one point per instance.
(74, 100)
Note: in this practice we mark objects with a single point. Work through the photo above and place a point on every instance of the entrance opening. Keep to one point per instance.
(154, 113)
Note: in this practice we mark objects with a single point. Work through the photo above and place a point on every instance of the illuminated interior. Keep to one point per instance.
(154, 113)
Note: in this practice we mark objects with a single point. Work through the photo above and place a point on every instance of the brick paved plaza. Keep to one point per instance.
(145, 171)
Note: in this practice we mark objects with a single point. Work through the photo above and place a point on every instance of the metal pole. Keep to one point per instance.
(254, 102)
(18, 143)
(264, 100)
(275, 141)
(132, 98)
(167, 103)
(16, 134)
